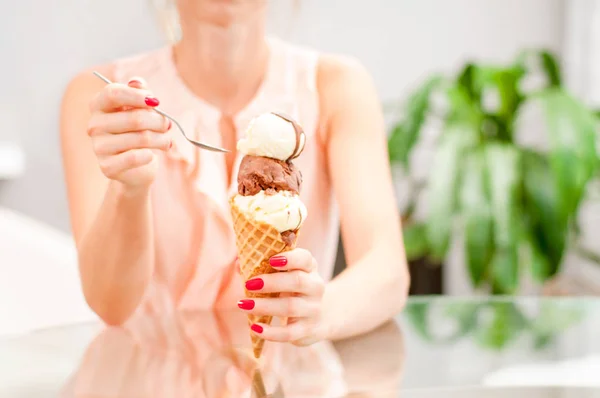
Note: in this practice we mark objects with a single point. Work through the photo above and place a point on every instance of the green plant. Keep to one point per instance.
(515, 204)
(495, 323)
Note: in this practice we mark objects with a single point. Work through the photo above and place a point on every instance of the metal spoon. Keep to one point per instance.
(196, 143)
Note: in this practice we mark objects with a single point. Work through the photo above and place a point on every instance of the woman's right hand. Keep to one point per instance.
(125, 131)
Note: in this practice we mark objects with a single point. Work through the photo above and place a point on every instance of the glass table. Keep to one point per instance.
(446, 347)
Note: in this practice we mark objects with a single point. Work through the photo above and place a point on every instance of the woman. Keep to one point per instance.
(149, 211)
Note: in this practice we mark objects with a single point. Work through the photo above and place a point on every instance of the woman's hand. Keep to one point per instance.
(301, 289)
(125, 130)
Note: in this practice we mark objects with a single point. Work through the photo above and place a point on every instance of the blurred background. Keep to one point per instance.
(516, 215)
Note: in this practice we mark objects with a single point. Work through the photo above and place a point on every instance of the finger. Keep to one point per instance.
(127, 121)
(299, 259)
(298, 332)
(112, 166)
(137, 82)
(293, 307)
(108, 144)
(115, 95)
(308, 284)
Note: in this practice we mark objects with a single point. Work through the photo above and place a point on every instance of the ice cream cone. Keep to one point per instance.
(256, 243)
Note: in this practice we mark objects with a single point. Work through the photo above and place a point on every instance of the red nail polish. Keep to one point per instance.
(255, 284)
(246, 304)
(151, 101)
(256, 328)
(278, 261)
(135, 82)
(170, 144)
(170, 125)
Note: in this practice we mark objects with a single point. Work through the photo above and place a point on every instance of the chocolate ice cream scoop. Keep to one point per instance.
(259, 173)
(289, 237)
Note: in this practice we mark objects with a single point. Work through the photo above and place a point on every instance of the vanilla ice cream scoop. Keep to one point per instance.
(283, 210)
(273, 135)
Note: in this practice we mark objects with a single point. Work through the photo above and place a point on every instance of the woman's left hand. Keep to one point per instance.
(301, 289)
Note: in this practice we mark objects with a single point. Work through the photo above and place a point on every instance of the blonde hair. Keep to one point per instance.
(168, 18)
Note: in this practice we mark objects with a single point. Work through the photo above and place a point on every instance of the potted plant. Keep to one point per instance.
(514, 204)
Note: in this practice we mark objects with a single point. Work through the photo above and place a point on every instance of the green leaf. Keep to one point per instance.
(548, 219)
(443, 184)
(505, 270)
(538, 262)
(556, 316)
(406, 133)
(541, 341)
(476, 211)
(503, 162)
(503, 84)
(417, 312)
(415, 241)
(506, 325)
(466, 79)
(572, 135)
(398, 146)
(462, 109)
(536, 61)
(466, 316)
(553, 319)
(552, 68)
(573, 160)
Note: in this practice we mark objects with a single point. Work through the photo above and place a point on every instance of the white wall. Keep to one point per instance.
(400, 41)
(403, 40)
(48, 42)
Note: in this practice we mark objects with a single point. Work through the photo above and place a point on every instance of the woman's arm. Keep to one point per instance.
(375, 285)
(111, 220)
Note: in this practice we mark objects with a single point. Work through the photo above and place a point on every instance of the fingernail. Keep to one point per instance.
(135, 82)
(255, 284)
(170, 144)
(170, 125)
(256, 328)
(278, 261)
(246, 304)
(151, 101)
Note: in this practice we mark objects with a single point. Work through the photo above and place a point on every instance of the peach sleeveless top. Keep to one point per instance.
(194, 240)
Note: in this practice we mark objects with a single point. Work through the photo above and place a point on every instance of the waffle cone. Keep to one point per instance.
(256, 243)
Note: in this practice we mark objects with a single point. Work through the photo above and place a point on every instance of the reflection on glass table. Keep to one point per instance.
(503, 392)
(195, 355)
(437, 344)
(502, 342)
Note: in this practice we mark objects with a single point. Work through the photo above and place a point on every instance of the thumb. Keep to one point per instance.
(137, 82)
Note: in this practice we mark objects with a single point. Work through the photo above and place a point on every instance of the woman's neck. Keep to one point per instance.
(224, 65)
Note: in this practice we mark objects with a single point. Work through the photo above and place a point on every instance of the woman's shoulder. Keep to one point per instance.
(81, 89)
(340, 78)
(328, 66)
(331, 74)
(333, 64)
